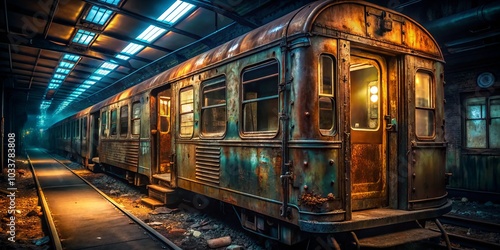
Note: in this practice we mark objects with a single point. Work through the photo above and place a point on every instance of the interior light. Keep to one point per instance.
(374, 98)
(374, 89)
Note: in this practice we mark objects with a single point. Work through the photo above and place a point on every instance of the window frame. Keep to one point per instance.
(206, 84)
(488, 96)
(331, 97)
(432, 105)
(180, 113)
(243, 102)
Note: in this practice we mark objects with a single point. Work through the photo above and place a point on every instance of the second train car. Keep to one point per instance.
(329, 120)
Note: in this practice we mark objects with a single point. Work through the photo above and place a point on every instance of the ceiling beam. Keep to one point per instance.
(21, 40)
(227, 13)
(144, 19)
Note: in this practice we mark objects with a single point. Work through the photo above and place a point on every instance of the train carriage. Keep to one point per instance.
(327, 120)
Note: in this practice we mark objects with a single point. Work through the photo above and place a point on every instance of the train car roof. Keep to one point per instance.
(322, 17)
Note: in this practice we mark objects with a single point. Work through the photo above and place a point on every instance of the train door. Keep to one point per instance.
(368, 137)
(164, 146)
(94, 135)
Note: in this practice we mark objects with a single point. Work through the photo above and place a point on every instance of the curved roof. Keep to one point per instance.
(322, 17)
(360, 21)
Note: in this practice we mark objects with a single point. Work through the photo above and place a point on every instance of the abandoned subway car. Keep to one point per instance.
(327, 120)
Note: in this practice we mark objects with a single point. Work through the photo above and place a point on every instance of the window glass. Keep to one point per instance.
(494, 130)
(164, 114)
(186, 112)
(136, 118)
(482, 122)
(84, 129)
(260, 98)
(104, 124)
(424, 106)
(124, 120)
(113, 122)
(213, 107)
(365, 96)
(326, 95)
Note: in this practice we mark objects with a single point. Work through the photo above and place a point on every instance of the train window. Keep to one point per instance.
(365, 101)
(213, 107)
(186, 112)
(424, 105)
(136, 118)
(104, 124)
(114, 120)
(77, 129)
(164, 114)
(478, 131)
(326, 95)
(84, 128)
(124, 120)
(260, 98)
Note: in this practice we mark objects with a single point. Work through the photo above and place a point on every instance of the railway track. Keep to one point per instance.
(66, 198)
(459, 229)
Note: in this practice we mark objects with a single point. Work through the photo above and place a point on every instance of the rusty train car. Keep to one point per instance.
(328, 120)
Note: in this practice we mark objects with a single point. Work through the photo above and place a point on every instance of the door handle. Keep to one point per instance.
(392, 123)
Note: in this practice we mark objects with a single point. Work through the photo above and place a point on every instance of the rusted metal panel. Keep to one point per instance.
(427, 177)
(120, 153)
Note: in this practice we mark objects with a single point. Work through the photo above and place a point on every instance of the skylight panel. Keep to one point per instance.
(176, 11)
(62, 71)
(150, 34)
(98, 15)
(71, 57)
(112, 2)
(94, 77)
(132, 48)
(67, 65)
(108, 65)
(53, 85)
(123, 57)
(89, 82)
(102, 72)
(59, 76)
(83, 37)
(55, 81)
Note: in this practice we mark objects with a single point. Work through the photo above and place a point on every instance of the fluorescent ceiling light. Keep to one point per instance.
(102, 72)
(176, 11)
(132, 48)
(123, 57)
(150, 34)
(108, 65)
